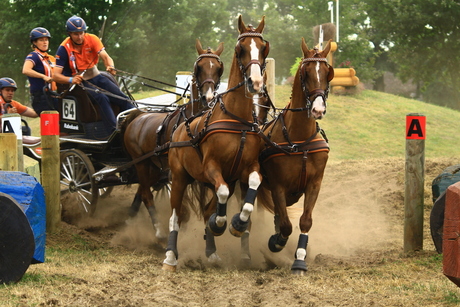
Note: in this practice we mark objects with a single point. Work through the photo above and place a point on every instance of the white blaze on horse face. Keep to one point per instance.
(209, 95)
(255, 101)
(318, 108)
(317, 71)
(255, 73)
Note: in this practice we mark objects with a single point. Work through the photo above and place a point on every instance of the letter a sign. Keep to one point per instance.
(415, 127)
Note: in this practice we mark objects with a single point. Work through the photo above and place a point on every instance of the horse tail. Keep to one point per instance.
(200, 198)
(264, 198)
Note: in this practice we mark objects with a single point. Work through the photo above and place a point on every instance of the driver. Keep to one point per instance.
(76, 62)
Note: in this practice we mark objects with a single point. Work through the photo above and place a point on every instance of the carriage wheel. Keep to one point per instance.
(17, 244)
(437, 221)
(76, 187)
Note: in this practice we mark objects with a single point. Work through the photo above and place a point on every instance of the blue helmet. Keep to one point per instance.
(7, 82)
(75, 24)
(39, 32)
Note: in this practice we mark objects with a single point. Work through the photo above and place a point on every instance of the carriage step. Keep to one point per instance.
(108, 174)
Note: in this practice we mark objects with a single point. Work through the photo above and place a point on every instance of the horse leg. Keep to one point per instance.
(240, 221)
(211, 250)
(311, 194)
(178, 186)
(136, 204)
(147, 177)
(245, 252)
(283, 226)
(218, 220)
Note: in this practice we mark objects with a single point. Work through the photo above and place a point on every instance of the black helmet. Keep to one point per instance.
(75, 24)
(36, 33)
(7, 82)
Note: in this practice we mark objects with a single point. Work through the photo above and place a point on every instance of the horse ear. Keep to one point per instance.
(327, 48)
(261, 26)
(241, 26)
(330, 75)
(304, 47)
(220, 48)
(198, 47)
(267, 49)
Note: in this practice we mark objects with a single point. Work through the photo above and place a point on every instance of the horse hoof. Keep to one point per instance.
(299, 272)
(235, 232)
(245, 263)
(276, 243)
(238, 227)
(214, 259)
(299, 267)
(214, 228)
(168, 268)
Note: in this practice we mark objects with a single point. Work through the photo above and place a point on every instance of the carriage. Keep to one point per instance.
(92, 160)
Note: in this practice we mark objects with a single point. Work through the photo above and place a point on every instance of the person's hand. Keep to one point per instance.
(12, 110)
(111, 70)
(47, 79)
(77, 79)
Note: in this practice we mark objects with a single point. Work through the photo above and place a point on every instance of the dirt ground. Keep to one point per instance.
(355, 254)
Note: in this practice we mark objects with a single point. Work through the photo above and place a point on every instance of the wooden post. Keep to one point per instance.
(414, 182)
(11, 123)
(8, 152)
(49, 127)
(270, 71)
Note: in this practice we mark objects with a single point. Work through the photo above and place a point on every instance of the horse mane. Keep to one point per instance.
(124, 125)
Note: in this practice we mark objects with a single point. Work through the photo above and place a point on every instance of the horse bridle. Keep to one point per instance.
(244, 68)
(312, 95)
(209, 80)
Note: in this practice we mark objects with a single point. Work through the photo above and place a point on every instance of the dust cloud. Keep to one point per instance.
(352, 213)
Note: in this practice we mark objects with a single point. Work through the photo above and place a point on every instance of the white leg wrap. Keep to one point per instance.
(300, 254)
(170, 259)
(246, 212)
(173, 221)
(220, 220)
(214, 258)
(159, 231)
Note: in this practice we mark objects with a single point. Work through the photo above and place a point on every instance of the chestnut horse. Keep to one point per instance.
(289, 176)
(149, 133)
(222, 146)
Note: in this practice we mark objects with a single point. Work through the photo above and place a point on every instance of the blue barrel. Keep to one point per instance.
(29, 194)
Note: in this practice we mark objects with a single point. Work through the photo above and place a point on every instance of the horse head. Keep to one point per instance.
(207, 71)
(251, 51)
(315, 74)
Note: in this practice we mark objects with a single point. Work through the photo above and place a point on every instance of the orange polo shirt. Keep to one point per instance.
(21, 108)
(86, 58)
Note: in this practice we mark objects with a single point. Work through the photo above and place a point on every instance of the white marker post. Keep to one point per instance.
(11, 123)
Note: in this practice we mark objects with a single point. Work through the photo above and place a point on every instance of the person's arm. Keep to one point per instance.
(60, 78)
(28, 70)
(29, 113)
(108, 62)
(61, 60)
